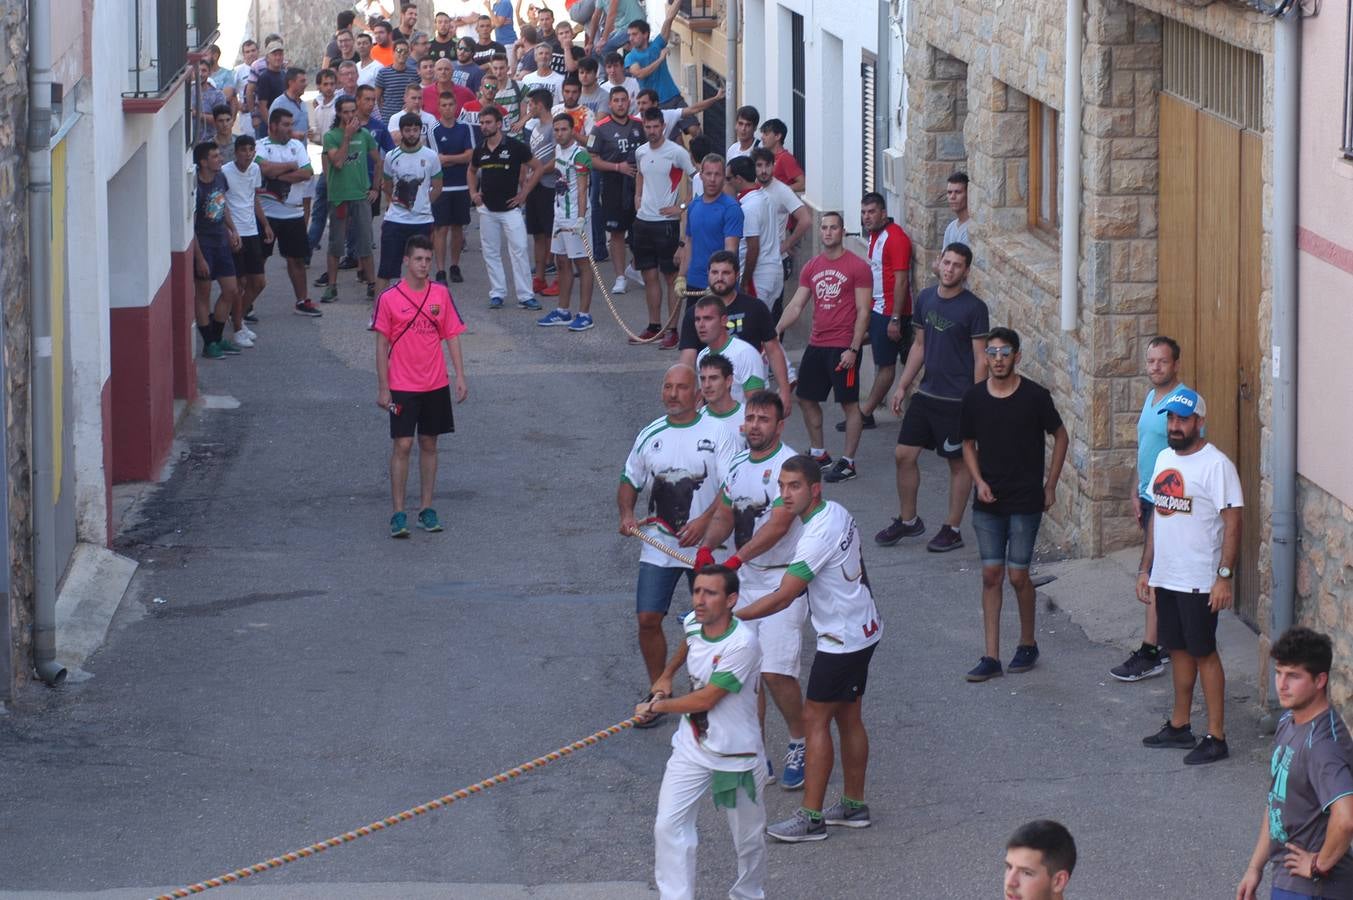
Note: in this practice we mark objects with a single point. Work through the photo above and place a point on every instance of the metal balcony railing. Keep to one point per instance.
(164, 39)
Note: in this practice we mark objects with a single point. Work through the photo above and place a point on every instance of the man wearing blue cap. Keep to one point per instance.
(1192, 542)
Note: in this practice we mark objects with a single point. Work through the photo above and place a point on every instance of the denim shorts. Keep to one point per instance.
(1006, 540)
(1284, 894)
(653, 594)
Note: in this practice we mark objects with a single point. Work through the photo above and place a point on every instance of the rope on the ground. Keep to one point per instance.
(677, 302)
(656, 544)
(405, 816)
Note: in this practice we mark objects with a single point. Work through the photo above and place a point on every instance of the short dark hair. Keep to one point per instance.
(399, 40)
(620, 89)
(839, 216)
(962, 250)
(342, 31)
(710, 301)
(565, 118)
(530, 34)
(701, 148)
(652, 114)
(202, 151)
(804, 465)
(1161, 340)
(345, 19)
(649, 93)
(1050, 839)
(571, 79)
(364, 89)
(718, 361)
(613, 59)
(748, 114)
(642, 25)
(319, 76)
(220, 109)
(1006, 335)
(723, 256)
(743, 168)
(293, 72)
(874, 198)
(729, 577)
(497, 55)
(277, 115)
(248, 43)
(417, 242)
(1306, 648)
(776, 127)
(492, 112)
(541, 95)
(245, 140)
(761, 154)
(381, 23)
(342, 102)
(957, 178)
(413, 86)
(764, 399)
(587, 64)
(410, 119)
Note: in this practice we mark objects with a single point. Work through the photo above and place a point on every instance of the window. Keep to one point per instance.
(868, 113)
(716, 117)
(1042, 196)
(798, 79)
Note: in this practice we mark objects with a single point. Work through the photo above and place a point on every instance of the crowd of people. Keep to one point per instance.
(504, 121)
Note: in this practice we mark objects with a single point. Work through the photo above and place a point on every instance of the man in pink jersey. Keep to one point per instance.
(840, 286)
(412, 319)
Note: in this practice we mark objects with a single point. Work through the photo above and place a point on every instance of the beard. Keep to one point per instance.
(1181, 443)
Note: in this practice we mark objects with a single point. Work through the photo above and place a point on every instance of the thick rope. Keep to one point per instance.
(677, 305)
(656, 544)
(405, 816)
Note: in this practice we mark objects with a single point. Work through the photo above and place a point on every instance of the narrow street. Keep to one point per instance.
(281, 671)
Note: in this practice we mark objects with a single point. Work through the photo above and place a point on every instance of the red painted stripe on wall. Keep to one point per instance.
(1325, 250)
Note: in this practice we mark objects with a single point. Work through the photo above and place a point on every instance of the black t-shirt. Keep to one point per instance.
(443, 50)
(499, 171)
(557, 60)
(1009, 432)
(748, 319)
(210, 208)
(483, 53)
(331, 51)
(270, 86)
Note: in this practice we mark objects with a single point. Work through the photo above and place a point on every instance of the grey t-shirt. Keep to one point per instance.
(300, 115)
(1310, 770)
(956, 232)
(542, 148)
(950, 328)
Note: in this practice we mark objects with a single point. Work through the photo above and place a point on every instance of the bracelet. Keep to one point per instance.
(1143, 571)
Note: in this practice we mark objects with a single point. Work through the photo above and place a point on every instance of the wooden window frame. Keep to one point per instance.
(1045, 226)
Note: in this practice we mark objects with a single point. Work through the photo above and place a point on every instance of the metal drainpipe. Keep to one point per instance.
(39, 293)
(1071, 169)
(1286, 145)
(732, 20)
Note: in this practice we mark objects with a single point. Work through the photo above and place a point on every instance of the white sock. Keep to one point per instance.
(816, 451)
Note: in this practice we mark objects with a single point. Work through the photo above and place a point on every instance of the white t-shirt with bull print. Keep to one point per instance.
(682, 466)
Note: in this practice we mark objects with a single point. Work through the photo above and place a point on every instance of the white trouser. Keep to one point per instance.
(780, 634)
(683, 784)
(493, 227)
(768, 283)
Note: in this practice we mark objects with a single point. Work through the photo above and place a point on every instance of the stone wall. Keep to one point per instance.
(307, 28)
(1325, 578)
(14, 308)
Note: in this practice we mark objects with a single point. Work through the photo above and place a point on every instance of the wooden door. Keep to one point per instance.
(1210, 245)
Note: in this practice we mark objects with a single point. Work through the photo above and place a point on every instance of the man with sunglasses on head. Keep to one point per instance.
(1004, 422)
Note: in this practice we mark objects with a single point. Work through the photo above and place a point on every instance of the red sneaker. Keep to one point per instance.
(648, 335)
(549, 290)
(669, 339)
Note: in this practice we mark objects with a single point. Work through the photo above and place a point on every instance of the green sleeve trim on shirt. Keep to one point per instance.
(777, 503)
(626, 479)
(753, 384)
(726, 680)
(800, 570)
(724, 498)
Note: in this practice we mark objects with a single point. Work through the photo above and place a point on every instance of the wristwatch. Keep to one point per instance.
(681, 206)
(855, 350)
(1316, 872)
(1224, 572)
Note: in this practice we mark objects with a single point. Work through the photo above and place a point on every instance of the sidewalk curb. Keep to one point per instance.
(93, 589)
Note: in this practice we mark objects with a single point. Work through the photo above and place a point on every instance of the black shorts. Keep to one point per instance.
(655, 245)
(425, 412)
(451, 208)
(819, 376)
(394, 235)
(540, 211)
(1184, 622)
(932, 423)
(888, 352)
(617, 202)
(839, 677)
(249, 258)
(220, 261)
(290, 239)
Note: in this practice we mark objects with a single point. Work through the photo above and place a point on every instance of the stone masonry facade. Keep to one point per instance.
(972, 69)
(14, 308)
(1325, 578)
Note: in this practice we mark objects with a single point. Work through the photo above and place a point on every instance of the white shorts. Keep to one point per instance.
(781, 634)
(769, 283)
(568, 241)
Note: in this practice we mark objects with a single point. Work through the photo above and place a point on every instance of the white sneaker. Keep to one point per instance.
(620, 286)
(247, 332)
(242, 339)
(632, 274)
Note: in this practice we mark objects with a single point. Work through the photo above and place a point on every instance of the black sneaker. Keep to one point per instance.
(1025, 658)
(824, 461)
(897, 530)
(250, 317)
(454, 274)
(839, 471)
(1209, 750)
(946, 539)
(985, 670)
(347, 262)
(322, 280)
(440, 277)
(1141, 664)
(869, 424)
(1171, 738)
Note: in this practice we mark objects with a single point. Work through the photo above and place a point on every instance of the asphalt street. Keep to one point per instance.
(281, 671)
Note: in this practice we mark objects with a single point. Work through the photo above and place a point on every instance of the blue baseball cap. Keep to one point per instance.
(1184, 402)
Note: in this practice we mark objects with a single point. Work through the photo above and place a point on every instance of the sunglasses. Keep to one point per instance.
(1002, 352)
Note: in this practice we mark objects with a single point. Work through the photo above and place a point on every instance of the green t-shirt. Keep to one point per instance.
(352, 181)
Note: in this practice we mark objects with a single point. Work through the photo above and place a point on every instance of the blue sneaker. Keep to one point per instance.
(399, 525)
(531, 304)
(986, 669)
(791, 777)
(1026, 655)
(555, 317)
(495, 303)
(428, 521)
(581, 322)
